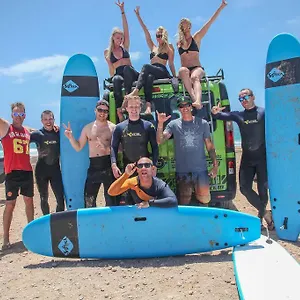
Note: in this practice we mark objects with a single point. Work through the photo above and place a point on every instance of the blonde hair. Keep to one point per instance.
(130, 97)
(111, 41)
(164, 38)
(181, 37)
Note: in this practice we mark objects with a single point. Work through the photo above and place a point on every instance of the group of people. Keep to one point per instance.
(122, 72)
(137, 178)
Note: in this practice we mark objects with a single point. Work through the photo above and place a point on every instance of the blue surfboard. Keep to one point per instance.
(282, 97)
(79, 95)
(129, 232)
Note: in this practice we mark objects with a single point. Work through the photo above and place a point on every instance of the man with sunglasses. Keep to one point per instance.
(145, 189)
(19, 177)
(251, 122)
(47, 167)
(98, 135)
(190, 134)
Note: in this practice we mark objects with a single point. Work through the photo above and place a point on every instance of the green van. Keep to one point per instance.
(165, 92)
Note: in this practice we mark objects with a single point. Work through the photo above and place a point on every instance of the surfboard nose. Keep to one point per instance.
(81, 65)
(37, 239)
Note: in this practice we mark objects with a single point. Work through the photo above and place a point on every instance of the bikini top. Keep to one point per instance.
(113, 59)
(164, 56)
(193, 47)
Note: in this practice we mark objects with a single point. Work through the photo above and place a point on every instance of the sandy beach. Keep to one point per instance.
(24, 275)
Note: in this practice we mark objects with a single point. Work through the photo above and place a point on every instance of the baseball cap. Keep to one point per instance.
(102, 102)
(184, 99)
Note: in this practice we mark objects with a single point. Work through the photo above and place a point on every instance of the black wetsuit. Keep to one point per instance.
(162, 195)
(252, 127)
(134, 137)
(47, 167)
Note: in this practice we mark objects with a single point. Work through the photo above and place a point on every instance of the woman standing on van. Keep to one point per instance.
(160, 54)
(118, 59)
(188, 46)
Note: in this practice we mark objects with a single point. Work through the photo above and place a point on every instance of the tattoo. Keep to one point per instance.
(213, 156)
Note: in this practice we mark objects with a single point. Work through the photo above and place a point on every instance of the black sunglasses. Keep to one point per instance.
(100, 110)
(183, 105)
(146, 165)
(159, 36)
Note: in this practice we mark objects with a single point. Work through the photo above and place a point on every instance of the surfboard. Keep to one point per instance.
(129, 232)
(282, 100)
(79, 95)
(265, 270)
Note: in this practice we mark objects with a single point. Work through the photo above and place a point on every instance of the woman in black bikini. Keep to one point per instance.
(188, 46)
(159, 56)
(118, 59)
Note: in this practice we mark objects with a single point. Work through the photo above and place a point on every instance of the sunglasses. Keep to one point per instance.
(247, 97)
(16, 114)
(184, 105)
(159, 36)
(146, 165)
(100, 110)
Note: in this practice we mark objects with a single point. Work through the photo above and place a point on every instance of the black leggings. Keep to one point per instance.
(126, 75)
(148, 74)
(44, 174)
(248, 169)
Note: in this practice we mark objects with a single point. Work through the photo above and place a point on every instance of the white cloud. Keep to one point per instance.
(198, 20)
(294, 21)
(50, 67)
(135, 55)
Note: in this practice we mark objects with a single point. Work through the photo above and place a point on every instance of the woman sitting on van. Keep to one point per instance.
(188, 46)
(118, 59)
(160, 54)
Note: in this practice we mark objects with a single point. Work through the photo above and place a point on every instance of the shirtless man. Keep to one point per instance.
(98, 135)
(18, 171)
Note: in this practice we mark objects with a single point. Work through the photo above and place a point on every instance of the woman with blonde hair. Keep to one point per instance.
(118, 59)
(188, 46)
(160, 54)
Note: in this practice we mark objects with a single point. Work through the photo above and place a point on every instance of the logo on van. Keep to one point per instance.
(275, 74)
(70, 86)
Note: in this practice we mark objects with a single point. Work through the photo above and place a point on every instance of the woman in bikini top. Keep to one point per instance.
(188, 46)
(161, 53)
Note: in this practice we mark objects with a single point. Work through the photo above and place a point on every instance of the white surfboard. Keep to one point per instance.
(265, 270)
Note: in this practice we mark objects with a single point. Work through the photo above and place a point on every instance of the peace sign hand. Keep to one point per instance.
(68, 130)
(162, 117)
(217, 109)
(121, 5)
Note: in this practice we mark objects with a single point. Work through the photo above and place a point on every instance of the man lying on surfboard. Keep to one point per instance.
(145, 189)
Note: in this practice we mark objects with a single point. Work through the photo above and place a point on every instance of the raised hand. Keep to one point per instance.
(68, 130)
(217, 109)
(121, 5)
(224, 3)
(130, 169)
(162, 117)
(137, 10)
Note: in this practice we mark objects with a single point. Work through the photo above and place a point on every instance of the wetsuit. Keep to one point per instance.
(124, 74)
(150, 72)
(47, 168)
(252, 127)
(17, 167)
(159, 194)
(134, 137)
(98, 172)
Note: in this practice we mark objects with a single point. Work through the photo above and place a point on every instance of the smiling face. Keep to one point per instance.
(18, 115)
(247, 98)
(117, 39)
(159, 36)
(133, 107)
(48, 120)
(101, 112)
(185, 26)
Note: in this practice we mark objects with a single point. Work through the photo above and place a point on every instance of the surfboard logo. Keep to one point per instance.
(275, 74)
(70, 86)
(65, 246)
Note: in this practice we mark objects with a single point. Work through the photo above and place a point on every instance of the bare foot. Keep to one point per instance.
(148, 108)
(6, 245)
(135, 92)
(197, 105)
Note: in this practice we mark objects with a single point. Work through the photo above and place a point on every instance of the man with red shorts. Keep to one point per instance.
(18, 171)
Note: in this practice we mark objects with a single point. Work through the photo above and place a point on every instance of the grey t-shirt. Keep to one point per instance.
(189, 144)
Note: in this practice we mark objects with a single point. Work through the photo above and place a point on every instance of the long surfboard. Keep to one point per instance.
(282, 97)
(79, 95)
(265, 270)
(129, 232)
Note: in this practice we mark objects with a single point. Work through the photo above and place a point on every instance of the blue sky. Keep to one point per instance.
(38, 37)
